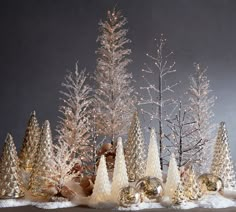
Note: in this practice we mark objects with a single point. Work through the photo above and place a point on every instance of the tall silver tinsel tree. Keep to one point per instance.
(135, 151)
(158, 102)
(222, 164)
(75, 124)
(201, 102)
(115, 100)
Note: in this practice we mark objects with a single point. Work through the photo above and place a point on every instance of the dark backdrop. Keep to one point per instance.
(41, 39)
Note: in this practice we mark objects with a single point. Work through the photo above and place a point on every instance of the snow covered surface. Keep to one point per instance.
(207, 201)
(54, 205)
(7, 203)
(216, 201)
(142, 206)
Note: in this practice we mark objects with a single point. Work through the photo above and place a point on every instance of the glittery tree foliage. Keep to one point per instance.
(115, 101)
(75, 124)
(135, 150)
(222, 164)
(191, 189)
(179, 194)
(153, 167)
(62, 165)
(43, 167)
(10, 181)
(120, 177)
(201, 102)
(29, 148)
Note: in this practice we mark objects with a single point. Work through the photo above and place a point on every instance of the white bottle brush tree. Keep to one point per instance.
(158, 102)
(75, 124)
(102, 187)
(120, 177)
(201, 103)
(153, 167)
(173, 178)
(115, 100)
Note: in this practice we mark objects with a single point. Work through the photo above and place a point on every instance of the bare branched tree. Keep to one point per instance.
(159, 96)
(182, 132)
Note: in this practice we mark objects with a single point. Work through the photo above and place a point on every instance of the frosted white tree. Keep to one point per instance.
(63, 164)
(102, 186)
(115, 100)
(173, 178)
(182, 132)
(158, 102)
(153, 167)
(75, 124)
(201, 102)
(120, 177)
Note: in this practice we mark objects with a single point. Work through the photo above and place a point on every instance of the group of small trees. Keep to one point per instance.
(183, 128)
(107, 111)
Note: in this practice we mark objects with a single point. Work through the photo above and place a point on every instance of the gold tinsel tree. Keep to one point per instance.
(222, 165)
(10, 181)
(191, 188)
(179, 195)
(29, 148)
(43, 166)
(135, 151)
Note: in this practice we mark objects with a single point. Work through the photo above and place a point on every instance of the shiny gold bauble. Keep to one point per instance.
(150, 188)
(210, 183)
(106, 147)
(128, 196)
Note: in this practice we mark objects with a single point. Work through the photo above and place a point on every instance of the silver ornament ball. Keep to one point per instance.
(210, 183)
(150, 188)
(128, 196)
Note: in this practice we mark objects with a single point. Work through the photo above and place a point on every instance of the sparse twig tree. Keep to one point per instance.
(181, 132)
(159, 92)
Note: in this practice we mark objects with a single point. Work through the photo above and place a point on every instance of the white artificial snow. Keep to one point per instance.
(54, 205)
(141, 206)
(207, 201)
(8, 203)
(215, 201)
(186, 205)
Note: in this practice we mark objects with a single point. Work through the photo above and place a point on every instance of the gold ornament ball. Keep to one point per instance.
(128, 196)
(210, 183)
(106, 147)
(150, 188)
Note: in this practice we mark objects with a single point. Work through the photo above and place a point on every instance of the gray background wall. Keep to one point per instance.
(40, 40)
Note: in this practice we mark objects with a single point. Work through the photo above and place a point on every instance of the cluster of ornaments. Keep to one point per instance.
(136, 178)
